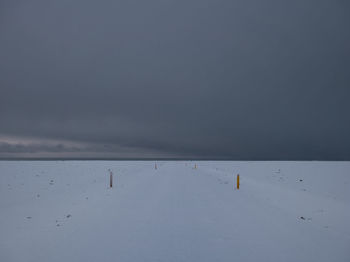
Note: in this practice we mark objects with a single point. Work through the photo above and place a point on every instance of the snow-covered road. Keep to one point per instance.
(284, 211)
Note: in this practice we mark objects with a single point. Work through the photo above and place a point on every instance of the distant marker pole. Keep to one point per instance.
(155, 166)
(110, 179)
(195, 166)
(238, 181)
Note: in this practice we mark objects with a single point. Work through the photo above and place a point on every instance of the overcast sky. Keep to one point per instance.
(246, 79)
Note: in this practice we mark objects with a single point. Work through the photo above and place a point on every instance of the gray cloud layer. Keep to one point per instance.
(208, 79)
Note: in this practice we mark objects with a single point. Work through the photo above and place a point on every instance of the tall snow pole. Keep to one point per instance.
(238, 181)
(110, 179)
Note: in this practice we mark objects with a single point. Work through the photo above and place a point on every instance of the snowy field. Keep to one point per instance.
(65, 211)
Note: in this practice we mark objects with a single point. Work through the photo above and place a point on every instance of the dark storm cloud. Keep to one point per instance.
(208, 79)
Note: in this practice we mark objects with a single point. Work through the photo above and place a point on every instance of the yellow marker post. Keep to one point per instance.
(238, 181)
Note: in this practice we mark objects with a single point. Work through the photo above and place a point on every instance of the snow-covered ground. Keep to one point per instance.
(65, 211)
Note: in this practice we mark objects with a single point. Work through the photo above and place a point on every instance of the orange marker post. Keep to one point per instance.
(238, 181)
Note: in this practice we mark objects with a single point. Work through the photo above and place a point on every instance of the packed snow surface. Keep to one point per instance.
(283, 211)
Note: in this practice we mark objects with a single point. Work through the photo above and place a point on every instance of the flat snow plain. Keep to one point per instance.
(283, 211)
